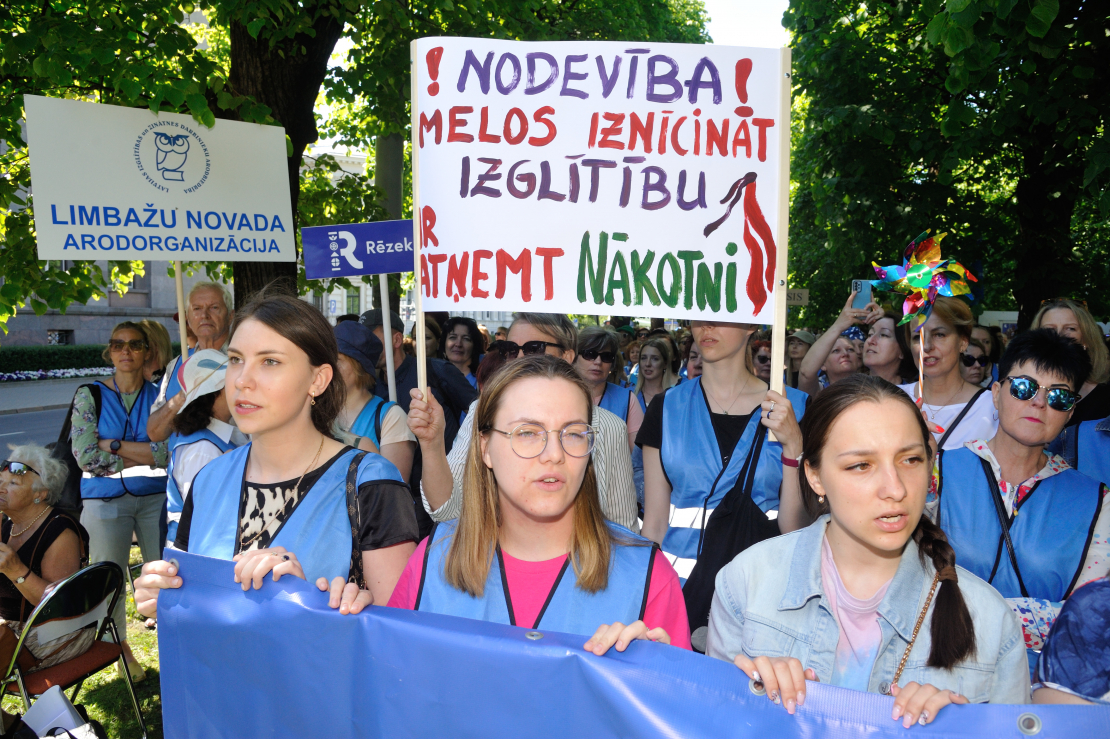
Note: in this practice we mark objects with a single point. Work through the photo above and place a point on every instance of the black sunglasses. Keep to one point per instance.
(970, 361)
(17, 468)
(1058, 398)
(510, 349)
(591, 354)
(762, 359)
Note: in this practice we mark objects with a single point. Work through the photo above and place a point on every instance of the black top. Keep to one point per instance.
(1094, 407)
(13, 606)
(728, 429)
(387, 512)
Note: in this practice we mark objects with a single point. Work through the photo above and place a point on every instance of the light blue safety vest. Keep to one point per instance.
(115, 422)
(615, 400)
(1050, 529)
(568, 609)
(370, 418)
(319, 529)
(1093, 449)
(175, 501)
(691, 461)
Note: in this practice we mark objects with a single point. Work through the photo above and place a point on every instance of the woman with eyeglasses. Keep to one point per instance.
(1061, 539)
(294, 501)
(975, 364)
(1071, 318)
(531, 547)
(123, 485)
(462, 344)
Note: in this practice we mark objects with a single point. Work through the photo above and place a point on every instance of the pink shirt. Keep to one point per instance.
(530, 583)
(858, 618)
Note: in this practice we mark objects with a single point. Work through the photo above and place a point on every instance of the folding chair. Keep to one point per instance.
(84, 599)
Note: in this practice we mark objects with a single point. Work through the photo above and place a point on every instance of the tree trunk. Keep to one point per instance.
(1046, 196)
(389, 169)
(288, 85)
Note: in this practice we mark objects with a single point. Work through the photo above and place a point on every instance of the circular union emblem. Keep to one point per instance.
(172, 157)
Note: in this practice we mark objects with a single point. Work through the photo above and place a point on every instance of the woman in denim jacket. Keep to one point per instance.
(853, 608)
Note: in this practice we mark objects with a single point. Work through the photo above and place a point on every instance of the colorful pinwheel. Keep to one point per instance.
(922, 277)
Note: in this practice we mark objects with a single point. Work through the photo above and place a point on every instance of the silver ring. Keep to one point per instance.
(771, 408)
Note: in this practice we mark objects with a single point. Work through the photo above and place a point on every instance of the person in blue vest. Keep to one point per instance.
(597, 355)
(871, 596)
(1060, 539)
(1086, 447)
(123, 481)
(531, 547)
(202, 430)
(369, 422)
(280, 503)
(700, 438)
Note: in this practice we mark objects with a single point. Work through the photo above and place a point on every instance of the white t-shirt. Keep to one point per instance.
(190, 458)
(980, 422)
(395, 426)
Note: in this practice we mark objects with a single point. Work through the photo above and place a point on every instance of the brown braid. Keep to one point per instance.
(951, 629)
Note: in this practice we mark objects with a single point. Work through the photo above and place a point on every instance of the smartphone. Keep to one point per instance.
(862, 289)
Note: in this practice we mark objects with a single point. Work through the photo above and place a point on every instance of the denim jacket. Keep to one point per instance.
(758, 610)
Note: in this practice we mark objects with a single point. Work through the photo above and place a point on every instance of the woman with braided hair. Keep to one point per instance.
(872, 598)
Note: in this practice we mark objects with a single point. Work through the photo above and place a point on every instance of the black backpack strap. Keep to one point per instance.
(354, 513)
(964, 412)
(1003, 521)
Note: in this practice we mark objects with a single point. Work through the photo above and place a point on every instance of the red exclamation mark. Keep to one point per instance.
(433, 57)
(743, 70)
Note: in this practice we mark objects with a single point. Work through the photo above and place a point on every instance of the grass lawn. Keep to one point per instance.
(105, 693)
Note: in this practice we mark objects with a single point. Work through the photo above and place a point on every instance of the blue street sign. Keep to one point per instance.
(354, 249)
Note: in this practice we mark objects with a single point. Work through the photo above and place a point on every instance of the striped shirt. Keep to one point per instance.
(612, 466)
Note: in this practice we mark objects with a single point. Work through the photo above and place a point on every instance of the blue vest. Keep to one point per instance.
(175, 501)
(370, 418)
(1051, 528)
(115, 422)
(568, 609)
(615, 400)
(643, 403)
(692, 463)
(318, 531)
(1093, 449)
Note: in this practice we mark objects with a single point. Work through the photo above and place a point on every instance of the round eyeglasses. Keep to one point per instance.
(528, 440)
(1058, 398)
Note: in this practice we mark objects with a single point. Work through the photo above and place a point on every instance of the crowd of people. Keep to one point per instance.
(859, 528)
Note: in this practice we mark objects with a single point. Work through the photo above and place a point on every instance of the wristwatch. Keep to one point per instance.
(115, 445)
(21, 580)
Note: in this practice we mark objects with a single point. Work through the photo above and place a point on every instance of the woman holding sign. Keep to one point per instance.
(869, 597)
(531, 547)
(280, 503)
(710, 471)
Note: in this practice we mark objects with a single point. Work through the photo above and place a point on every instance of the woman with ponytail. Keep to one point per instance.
(868, 597)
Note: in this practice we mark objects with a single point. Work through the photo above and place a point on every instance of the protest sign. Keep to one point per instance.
(124, 183)
(587, 177)
(278, 662)
(355, 249)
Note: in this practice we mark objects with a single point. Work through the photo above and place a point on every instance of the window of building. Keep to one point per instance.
(59, 337)
(354, 301)
(318, 301)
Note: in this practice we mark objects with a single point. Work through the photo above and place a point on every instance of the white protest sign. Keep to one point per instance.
(123, 183)
(600, 177)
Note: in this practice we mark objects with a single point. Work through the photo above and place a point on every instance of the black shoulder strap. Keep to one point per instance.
(424, 570)
(647, 580)
(1004, 522)
(964, 412)
(354, 513)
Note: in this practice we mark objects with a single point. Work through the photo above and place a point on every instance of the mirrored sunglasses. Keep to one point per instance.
(1058, 398)
(17, 468)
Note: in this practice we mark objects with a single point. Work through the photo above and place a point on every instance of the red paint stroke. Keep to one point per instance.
(762, 251)
(432, 58)
(743, 70)
(754, 286)
(754, 215)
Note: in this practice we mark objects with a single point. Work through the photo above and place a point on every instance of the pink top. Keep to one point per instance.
(858, 618)
(530, 583)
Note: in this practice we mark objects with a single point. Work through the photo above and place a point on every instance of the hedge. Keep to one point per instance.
(31, 358)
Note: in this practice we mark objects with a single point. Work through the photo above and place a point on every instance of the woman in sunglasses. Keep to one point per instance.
(1061, 539)
(123, 485)
(1071, 318)
(761, 360)
(597, 353)
(975, 364)
(531, 547)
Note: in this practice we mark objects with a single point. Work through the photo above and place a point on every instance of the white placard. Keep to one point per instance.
(593, 177)
(123, 183)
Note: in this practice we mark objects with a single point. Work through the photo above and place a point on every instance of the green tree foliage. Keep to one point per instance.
(981, 118)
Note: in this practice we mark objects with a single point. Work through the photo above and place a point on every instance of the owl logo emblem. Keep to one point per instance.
(173, 150)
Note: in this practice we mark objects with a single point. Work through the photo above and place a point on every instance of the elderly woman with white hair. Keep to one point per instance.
(41, 545)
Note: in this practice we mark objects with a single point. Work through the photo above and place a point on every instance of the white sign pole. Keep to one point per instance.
(782, 235)
(417, 227)
(387, 334)
(181, 309)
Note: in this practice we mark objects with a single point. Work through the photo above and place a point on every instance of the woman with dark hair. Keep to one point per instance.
(886, 353)
(992, 347)
(531, 546)
(868, 597)
(294, 501)
(462, 345)
(597, 356)
(834, 357)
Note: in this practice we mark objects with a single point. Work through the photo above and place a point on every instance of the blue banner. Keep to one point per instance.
(278, 662)
(354, 249)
